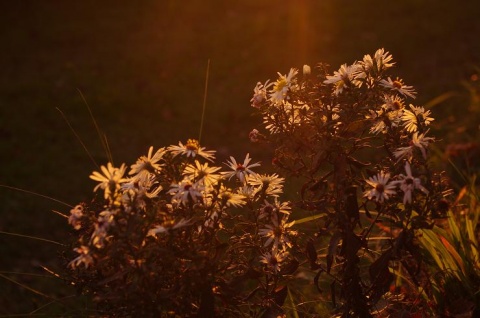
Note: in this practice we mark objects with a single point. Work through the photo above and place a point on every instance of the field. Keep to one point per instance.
(141, 68)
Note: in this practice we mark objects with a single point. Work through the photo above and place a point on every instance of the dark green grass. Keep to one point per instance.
(141, 66)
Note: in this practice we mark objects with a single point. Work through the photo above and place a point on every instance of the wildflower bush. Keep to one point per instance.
(182, 235)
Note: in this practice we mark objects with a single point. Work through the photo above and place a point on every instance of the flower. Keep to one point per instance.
(397, 85)
(110, 180)
(393, 102)
(273, 259)
(381, 189)
(270, 184)
(260, 94)
(307, 70)
(408, 183)
(273, 210)
(254, 135)
(191, 149)
(146, 165)
(229, 198)
(419, 141)
(422, 142)
(240, 170)
(278, 233)
(84, 258)
(76, 215)
(185, 190)
(416, 117)
(165, 228)
(282, 86)
(383, 120)
(380, 61)
(202, 173)
(343, 77)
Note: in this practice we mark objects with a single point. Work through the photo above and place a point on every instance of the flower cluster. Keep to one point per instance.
(347, 131)
(181, 235)
(164, 221)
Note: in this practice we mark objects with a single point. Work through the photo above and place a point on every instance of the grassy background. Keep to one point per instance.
(141, 67)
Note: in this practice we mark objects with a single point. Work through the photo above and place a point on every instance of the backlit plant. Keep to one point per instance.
(179, 234)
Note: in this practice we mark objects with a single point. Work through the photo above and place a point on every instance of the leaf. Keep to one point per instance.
(380, 275)
(351, 203)
(453, 252)
(315, 280)
(439, 99)
(332, 293)
(289, 268)
(309, 218)
(332, 249)
(280, 294)
(351, 244)
(311, 254)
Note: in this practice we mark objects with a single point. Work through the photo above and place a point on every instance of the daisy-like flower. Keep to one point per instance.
(100, 234)
(379, 125)
(165, 228)
(381, 189)
(381, 61)
(415, 118)
(76, 215)
(409, 183)
(144, 187)
(238, 169)
(281, 87)
(260, 94)
(274, 259)
(418, 140)
(343, 78)
(278, 233)
(84, 258)
(393, 102)
(110, 180)
(422, 142)
(383, 119)
(398, 86)
(229, 198)
(146, 165)
(248, 192)
(191, 149)
(273, 210)
(185, 190)
(271, 185)
(202, 173)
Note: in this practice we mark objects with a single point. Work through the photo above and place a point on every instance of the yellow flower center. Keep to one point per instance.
(280, 84)
(397, 105)
(192, 144)
(397, 84)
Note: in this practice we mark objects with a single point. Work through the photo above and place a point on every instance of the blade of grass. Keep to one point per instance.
(32, 237)
(97, 128)
(37, 194)
(204, 101)
(78, 138)
(26, 287)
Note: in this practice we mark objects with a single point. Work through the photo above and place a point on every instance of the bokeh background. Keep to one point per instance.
(141, 67)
